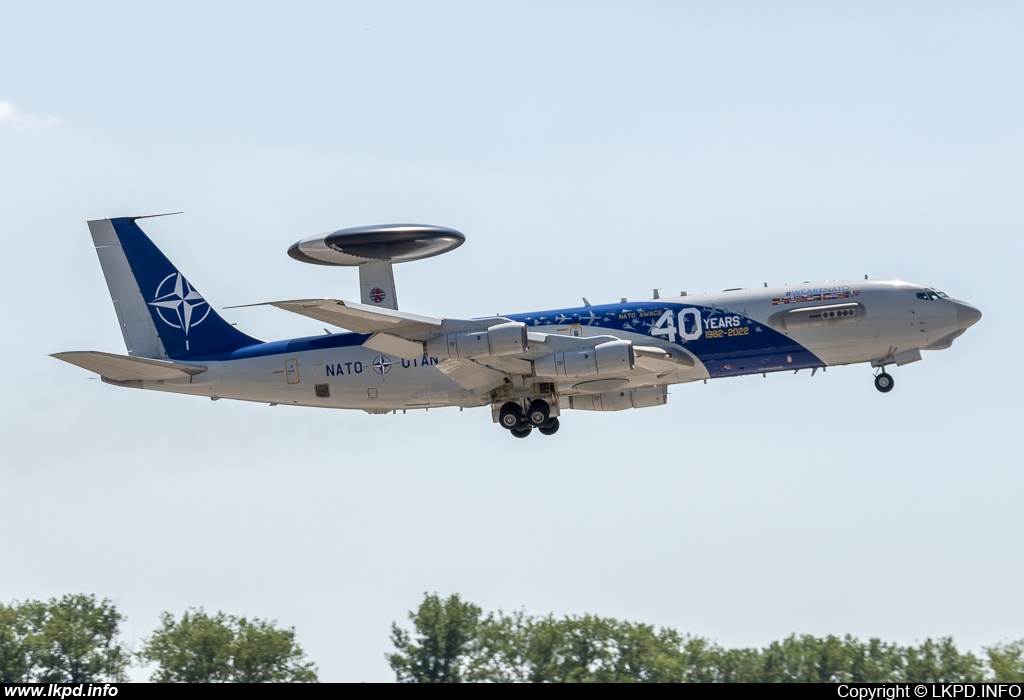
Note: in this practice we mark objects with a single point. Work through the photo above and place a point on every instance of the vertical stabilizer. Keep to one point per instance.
(161, 314)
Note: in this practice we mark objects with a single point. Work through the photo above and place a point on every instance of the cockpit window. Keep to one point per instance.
(940, 295)
(932, 295)
(922, 295)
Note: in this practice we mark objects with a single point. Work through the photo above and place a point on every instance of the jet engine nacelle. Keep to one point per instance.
(606, 358)
(503, 339)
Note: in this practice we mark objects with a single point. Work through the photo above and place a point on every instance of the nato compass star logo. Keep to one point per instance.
(382, 365)
(178, 304)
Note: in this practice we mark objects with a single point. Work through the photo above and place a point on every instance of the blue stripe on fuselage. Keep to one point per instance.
(729, 344)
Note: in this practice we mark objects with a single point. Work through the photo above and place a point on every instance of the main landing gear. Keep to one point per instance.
(884, 382)
(520, 424)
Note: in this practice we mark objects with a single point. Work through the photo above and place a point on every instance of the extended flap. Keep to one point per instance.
(471, 375)
(393, 345)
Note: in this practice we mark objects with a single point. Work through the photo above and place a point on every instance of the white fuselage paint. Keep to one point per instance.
(895, 321)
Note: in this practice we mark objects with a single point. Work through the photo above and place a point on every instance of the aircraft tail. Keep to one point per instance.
(160, 312)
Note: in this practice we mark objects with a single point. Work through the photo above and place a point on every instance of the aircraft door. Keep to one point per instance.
(291, 371)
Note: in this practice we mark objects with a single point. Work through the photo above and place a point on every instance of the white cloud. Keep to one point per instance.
(9, 114)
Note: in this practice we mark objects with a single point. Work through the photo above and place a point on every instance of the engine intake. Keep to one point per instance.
(607, 358)
(502, 339)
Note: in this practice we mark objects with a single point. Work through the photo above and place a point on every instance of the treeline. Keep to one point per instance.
(452, 641)
(76, 639)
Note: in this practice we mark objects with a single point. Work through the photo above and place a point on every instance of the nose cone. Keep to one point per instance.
(966, 315)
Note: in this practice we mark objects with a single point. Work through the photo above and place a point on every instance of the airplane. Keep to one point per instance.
(593, 358)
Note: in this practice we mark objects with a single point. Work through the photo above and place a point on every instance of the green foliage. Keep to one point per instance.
(939, 661)
(446, 632)
(201, 648)
(1006, 661)
(517, 648)
(73, 639)
(15, 645)
(265, 654)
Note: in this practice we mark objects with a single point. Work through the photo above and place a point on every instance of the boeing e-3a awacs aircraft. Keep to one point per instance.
(527, 367)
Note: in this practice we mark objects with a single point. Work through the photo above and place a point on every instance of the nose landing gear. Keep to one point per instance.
(884, 382)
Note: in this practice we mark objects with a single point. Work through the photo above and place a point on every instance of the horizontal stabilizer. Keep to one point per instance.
(121, 368)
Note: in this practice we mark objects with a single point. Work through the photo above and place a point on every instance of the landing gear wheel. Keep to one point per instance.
(511, 415)
(550, 427)
(539, 412)
(521, 432)
(884, 382)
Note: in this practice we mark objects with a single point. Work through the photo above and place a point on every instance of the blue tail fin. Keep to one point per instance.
(161, 313)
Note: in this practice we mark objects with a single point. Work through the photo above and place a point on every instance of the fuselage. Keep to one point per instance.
(726, 334)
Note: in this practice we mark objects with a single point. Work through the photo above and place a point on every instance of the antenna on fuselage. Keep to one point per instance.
(374, 250)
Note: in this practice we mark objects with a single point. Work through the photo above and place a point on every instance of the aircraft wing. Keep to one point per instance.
(121, 368)
(404, 335)
(360, 318)
(393, 332)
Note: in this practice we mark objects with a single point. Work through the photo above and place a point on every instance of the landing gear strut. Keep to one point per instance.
(884, 382)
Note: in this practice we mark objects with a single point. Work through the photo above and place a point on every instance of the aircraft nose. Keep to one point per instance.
(966, 315)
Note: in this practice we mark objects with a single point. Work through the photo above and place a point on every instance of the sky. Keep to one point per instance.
(584, 149)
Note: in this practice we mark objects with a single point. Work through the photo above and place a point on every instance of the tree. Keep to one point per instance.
(265, 654)
(15, 645)
(939, 661)
(518, 648)
(643, 654)
(807, 659)
(1006, 661)
(74, 639)
(224, 649)
(455, 643)
(445, 632)
(876, 662)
